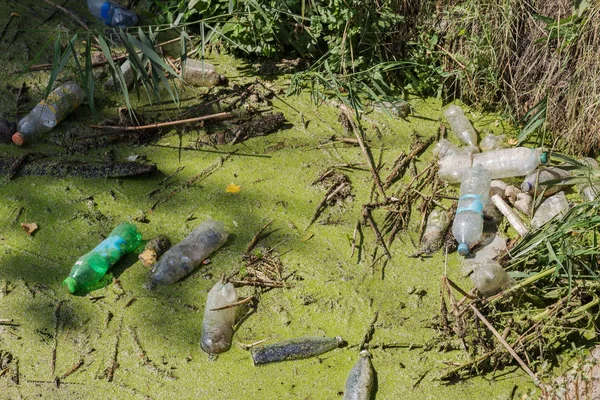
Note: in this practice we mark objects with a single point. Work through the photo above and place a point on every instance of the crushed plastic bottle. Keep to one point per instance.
(445, 148)
(91, 267)
(468, 222)
(294, 349)
(589, 191)
(435, 231)
(48, 113)
(493, 142)
(203, 74)
(490, 278)
(541, 175)
(461, 126)
(112, 14)
(524, 203)
(186, 255)
(217, 327)
(504, 163)
(361, 379)
(550, 208)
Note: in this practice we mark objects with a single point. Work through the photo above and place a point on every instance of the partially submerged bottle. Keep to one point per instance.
(468, 222)
(294, 349)
(461, 126)
(181, 259)
(542, 175)
(490, 278)
(112, 14)
(550, 208)
(361, 379)
(201, 73)
(217, 326)
(435, 231)
(48, 113)
(91, 267)
(503, 163)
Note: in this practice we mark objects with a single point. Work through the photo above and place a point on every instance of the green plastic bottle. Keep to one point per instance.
(90, 268)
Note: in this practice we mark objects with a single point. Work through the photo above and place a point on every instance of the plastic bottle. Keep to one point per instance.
(461, 126)
(186, 255)
(493, 142)
(435, 231)
(112, 14)
(361, 379)
(217, 327)
(201, 73)
(504, 163)
(48, 113)
(550, 208)
(524, 203)
(445, 148)
(589, 191)
(541, 175)
(91, 267)
(128, 75)
(490, 278)
(468, 222)
(511, 216)
(294, 349)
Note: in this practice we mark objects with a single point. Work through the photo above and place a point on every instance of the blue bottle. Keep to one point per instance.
(112, 14)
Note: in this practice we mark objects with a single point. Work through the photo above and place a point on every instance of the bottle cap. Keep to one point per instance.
(463, 249)
(71, 284)
(18, 138)
(543, 157)
(526, 187)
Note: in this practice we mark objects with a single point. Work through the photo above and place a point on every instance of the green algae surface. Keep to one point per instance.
(123, 341)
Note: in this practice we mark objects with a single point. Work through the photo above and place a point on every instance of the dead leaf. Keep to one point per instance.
(233, 188)
(30, 227)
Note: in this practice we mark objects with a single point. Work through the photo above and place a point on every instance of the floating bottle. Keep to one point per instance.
(361, 379)
(112, 14)
(154, 248)
(468, 222)
(186, 255)
(91, 267)
(550, 208)
(589, 191)
(48, 113)
(541, 175)
(504, 163)
(493, 142)
(217, 327)
(461, 126)
(294, 349)
(435, 231)
(200, 73)
(490, 278)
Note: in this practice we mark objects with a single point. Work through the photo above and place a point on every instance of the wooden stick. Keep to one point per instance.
(237, 303)
(367, 215)
(7, 321)
(418, 148)
(256, 237)
(223, 115)
(369, 333)
(504, 343)
(69, 13)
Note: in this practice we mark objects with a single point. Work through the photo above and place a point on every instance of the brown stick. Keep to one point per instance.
(7, 321)
(418, 148)
(504, 343)
(69, 13)
(256, 237)
(366, 213)
(55, 342)
(235, 304)
(74, 368)
(110, 373)
(369, 333)
(356, 227)
(223, 115)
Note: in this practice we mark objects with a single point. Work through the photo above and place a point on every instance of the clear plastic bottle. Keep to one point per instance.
(112, 14)
(445, 148)
(186, 255)
(48, 113)
(550, 208)
(490, 278)
(91, 267)
(504, 163)
(493, 142)
(461, 126)
(360, 383)
(217, 326)
(474, 194)
(589, 191)
(541, 175)
(201, 73)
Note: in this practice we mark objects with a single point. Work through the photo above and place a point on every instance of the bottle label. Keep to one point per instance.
(104, 12)
(476, 205)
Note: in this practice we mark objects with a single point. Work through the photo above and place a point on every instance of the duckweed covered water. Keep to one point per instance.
(153, 336)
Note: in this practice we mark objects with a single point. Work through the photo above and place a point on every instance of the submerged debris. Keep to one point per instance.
(154, 248)
(259, 126)
(294, 349)
(219, 318)
(361, 379)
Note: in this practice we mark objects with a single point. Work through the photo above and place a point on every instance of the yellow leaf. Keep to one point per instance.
(232, 188)
(30, 228)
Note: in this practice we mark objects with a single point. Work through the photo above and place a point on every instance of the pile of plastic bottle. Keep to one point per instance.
(479, 174)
